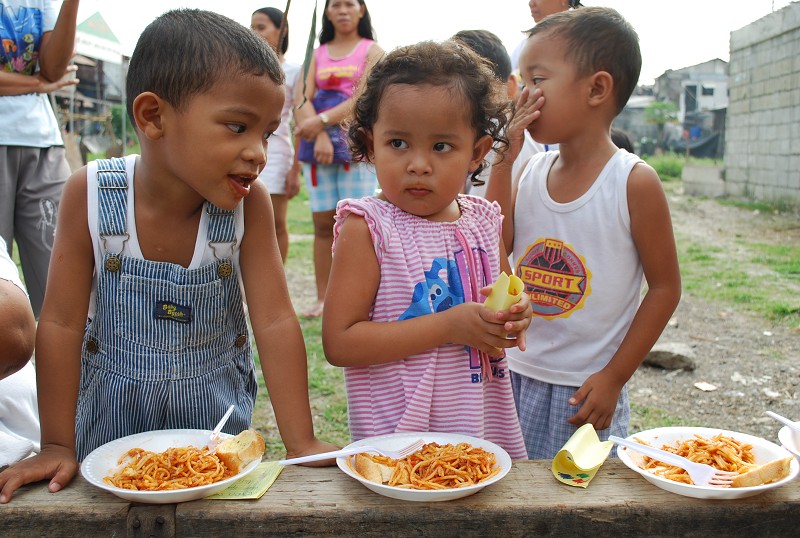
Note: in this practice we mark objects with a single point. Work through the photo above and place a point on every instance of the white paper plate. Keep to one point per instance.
(103, 462)
(399, 440)
(763, 450)
(790, 440)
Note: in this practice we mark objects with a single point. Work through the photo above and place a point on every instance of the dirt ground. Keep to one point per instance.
(753, 363)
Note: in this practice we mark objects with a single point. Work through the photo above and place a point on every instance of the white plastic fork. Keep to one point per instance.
(700, 473)
(393, 454)
(792, 424)
(213, 440)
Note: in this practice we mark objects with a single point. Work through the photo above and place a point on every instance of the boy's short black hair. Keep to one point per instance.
(490, 47)
(598, 39)
(185, 52)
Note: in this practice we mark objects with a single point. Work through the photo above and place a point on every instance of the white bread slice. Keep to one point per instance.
(368, 468)
(764, 474)
(239, 451)
(373, 471)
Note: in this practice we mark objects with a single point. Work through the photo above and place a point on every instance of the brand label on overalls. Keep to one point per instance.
(172, 311)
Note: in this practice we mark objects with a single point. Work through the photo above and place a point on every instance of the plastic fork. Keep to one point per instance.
(214, 440)
(393, 454)
(700, 473)
(792, 424)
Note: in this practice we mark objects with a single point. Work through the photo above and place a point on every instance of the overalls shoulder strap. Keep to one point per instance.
(112, 197)
(221, 230)
(221, 237)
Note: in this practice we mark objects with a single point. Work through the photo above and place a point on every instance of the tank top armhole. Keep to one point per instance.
(627, 163)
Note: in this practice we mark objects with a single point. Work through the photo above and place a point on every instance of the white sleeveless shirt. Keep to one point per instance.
(581, 269)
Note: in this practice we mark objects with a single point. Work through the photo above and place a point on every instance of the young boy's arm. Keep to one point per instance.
(277, 331)
(58, 346)
(501, 188)
(651, 228)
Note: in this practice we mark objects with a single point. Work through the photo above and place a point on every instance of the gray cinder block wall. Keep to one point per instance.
(762, 148)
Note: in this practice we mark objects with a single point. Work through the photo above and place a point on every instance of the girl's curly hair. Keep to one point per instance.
(447, 64)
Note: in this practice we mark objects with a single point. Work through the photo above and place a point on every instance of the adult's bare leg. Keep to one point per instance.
(280, 202)
(323, 241)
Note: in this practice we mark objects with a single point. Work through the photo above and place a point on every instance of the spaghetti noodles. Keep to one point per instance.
(721, 452)
(175, 468)
(437, 466)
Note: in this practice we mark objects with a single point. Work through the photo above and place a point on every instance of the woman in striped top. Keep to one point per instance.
(403, 310)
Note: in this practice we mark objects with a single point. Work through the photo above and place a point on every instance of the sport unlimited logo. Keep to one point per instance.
(555, 277)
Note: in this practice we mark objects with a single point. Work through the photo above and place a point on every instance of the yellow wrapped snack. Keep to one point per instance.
(506, 291)
(581, 457)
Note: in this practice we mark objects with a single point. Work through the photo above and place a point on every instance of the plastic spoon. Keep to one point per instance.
(792, 424)
(214, 438)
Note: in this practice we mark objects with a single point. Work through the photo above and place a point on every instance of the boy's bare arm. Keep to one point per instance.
(277, 331)
(500, 190)
(501, 187)
(58, 346)
(19, 328)
(651, 228)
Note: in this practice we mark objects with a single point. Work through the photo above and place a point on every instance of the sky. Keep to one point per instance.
(672, 33)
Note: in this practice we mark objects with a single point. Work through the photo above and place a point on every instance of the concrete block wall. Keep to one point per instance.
(762, 136)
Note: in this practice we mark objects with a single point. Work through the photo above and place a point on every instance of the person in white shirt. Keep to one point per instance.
(38, 42)
(19, 414)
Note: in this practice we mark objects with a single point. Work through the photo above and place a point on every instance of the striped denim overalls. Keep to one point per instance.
(168, 347)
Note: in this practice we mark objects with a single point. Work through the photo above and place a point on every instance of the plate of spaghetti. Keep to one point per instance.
(163, 466)
(761, 465)
(449, 466)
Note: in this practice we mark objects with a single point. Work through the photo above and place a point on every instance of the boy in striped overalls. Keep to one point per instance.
(144, 325)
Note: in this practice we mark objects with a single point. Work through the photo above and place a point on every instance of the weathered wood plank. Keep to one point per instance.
(79, 510)
(527, 502)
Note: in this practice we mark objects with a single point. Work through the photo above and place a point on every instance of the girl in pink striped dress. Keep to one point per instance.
(411, 267)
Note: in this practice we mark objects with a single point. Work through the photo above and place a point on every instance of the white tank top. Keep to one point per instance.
(581, 270)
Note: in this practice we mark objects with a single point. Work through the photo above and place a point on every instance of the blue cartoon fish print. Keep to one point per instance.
(435, 294)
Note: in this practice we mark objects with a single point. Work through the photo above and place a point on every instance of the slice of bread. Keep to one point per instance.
(368, 468)
(764, 474)
(373, 471)
(240, 451)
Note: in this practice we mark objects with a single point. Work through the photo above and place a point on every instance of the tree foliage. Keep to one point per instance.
(661, 113)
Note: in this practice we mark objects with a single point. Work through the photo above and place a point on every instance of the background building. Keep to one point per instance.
(86, 111)
(762, 149)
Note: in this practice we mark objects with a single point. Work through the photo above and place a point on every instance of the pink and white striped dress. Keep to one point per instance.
(424, 269)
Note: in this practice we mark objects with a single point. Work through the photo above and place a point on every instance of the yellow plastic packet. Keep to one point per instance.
(506, 291)
(581, 457)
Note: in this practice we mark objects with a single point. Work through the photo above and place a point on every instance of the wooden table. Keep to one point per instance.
(306, 501)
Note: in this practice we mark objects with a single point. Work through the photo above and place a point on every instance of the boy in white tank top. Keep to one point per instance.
(585, 224)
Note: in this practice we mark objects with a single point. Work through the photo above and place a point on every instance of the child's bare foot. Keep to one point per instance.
(315, 311)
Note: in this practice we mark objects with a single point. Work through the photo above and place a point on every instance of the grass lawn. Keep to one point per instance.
(325, 382)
